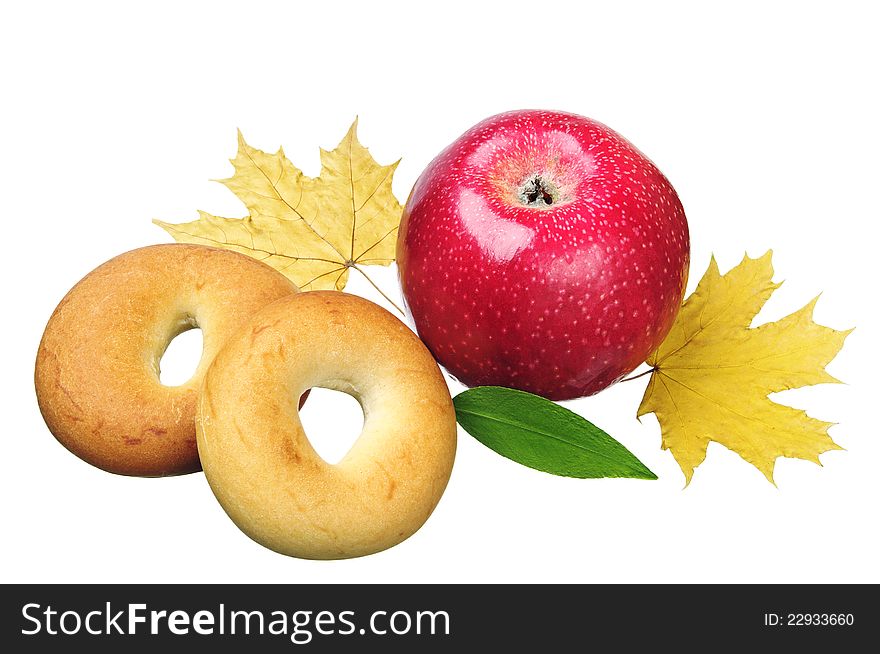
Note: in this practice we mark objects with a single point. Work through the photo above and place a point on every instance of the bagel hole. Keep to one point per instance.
(181, 358)
(332, 420)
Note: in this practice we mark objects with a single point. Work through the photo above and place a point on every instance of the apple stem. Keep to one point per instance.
(641, 374)
(381, 292)
(537, 191)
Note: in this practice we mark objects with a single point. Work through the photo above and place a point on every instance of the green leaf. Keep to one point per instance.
(540, 434)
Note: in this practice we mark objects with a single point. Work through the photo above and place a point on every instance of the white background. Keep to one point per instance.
(764, 117)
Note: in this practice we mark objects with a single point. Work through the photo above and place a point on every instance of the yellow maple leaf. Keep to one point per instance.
(713, 373)
(314, 230)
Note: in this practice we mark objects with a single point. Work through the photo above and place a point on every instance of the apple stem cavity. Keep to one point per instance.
(538, 191)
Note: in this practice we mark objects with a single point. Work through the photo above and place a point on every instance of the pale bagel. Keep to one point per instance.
(97, 369)
(259, 462)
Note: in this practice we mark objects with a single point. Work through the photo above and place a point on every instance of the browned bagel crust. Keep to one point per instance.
(258, 459)
(97, 368)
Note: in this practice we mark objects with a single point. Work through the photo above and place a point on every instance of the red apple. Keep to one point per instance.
(542, 251)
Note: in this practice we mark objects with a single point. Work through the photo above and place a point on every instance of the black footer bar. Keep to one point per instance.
(434, 617)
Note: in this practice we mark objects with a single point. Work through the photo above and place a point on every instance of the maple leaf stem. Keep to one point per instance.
(641, 374)
(381, 292)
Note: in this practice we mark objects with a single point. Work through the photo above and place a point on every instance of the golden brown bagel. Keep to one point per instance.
(97, 370)
(259, 461)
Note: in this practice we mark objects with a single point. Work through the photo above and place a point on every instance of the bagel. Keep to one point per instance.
(97, 368)
(258, 459)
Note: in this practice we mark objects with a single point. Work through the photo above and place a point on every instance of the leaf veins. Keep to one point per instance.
(713, 373)
(312, 229)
